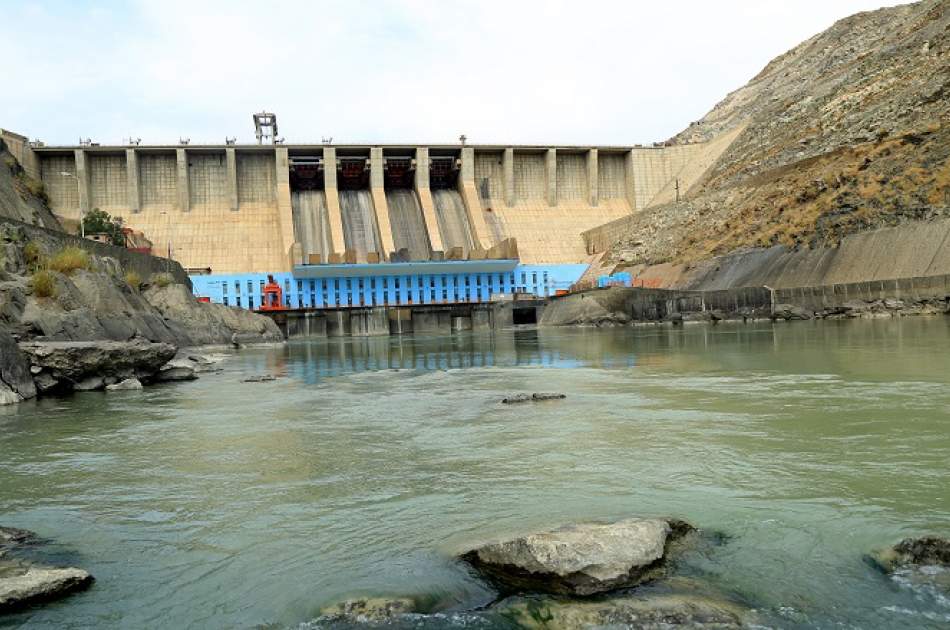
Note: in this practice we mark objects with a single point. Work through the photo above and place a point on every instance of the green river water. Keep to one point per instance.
(369, 462)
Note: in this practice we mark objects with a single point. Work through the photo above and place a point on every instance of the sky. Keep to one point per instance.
(586, 72)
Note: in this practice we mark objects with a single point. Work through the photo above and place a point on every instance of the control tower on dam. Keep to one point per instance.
(265, 208)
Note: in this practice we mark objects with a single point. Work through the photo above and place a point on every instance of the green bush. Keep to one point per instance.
(33, 255)
(44, 283)
(11, 163)
(133, 279)
(69, 259)
(162, 279)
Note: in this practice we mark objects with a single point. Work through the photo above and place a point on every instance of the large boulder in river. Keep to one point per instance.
(917, 562)
(581, 559)
(25, 584)
(68, 363)
(16, 381)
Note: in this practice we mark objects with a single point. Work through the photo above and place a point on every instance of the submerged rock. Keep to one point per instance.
(917, 562)
(652, 612)
(14, 536)
(581, 559)
(368, 610)
(23, 585)
(260, 379)
(913, 552)
(520, 398)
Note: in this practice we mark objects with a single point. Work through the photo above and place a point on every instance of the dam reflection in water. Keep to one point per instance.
(691, 347)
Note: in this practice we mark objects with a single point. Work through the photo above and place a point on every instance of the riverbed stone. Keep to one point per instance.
(128, 384)
(11, 536)
(372, 610)
(89, 384)
(790, 312)
(653, 612)
(514, 399)
(580, 559)
(26, 584)
(926, 550)
(177, 370)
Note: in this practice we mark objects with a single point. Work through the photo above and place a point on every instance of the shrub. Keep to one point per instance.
(69, 259)
(11, 163)
(33, 255)
(44, 283)
(133, 279)
(162, 279)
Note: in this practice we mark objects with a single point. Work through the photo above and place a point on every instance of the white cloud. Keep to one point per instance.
(506, 71)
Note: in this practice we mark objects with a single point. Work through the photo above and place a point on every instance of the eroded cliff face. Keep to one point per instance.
(846, 132)
(101, 301)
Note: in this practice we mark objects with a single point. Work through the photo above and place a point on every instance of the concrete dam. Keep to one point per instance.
(367, 234)
(266, 208)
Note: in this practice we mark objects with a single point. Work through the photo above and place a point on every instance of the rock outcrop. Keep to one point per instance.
(87, 365)
(96, 302)
(581, 559)
(16, 381)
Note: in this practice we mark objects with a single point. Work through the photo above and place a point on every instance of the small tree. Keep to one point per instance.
(101, 222)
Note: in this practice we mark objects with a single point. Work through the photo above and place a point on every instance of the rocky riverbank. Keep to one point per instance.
(71, 321)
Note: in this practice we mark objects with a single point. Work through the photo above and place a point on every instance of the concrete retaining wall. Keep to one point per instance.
(836, 295)
(143, 264)
(909, 251)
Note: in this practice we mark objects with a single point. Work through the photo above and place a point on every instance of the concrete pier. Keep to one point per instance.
(132, 180)
(370, 322)
(425, 199)
(377, 187)
(334, 213)
(181, 171)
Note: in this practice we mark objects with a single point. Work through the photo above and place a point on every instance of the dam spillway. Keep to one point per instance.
(311, 223)
(359, 223)
(408, 224)
(453, 220)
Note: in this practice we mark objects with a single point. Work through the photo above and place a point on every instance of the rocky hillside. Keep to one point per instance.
(22, 197)
(846, 132)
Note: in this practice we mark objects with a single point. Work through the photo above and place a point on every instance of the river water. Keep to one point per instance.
(369, 462)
